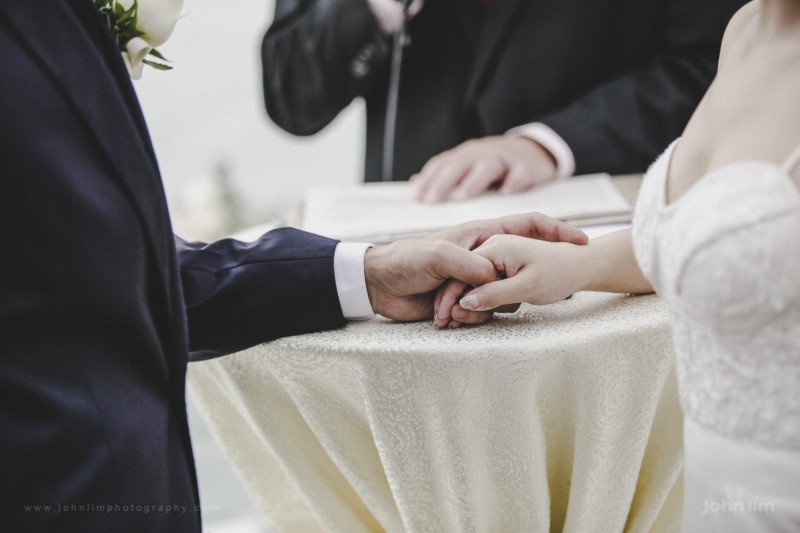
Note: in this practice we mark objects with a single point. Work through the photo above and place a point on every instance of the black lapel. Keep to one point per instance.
(98, 87)
(116, 65)
(500, 15)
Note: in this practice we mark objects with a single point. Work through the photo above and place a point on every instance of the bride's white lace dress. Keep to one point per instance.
(725, 256)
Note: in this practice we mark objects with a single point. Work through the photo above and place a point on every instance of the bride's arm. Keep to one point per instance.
(542, 272)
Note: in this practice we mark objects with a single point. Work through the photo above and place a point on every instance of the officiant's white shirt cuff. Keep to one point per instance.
(348, 269)
(552, 142)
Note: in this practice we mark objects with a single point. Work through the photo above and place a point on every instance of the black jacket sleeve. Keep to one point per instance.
(240, 294)
(319, 55)
(657, 99)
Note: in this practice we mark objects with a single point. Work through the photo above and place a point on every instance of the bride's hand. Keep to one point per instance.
(446, 302)
(529, 270)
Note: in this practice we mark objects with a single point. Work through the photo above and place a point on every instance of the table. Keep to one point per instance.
(556, 418)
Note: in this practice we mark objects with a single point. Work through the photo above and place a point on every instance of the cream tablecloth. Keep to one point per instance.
(555, 418)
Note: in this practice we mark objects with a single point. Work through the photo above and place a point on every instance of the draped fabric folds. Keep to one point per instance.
(555, 418)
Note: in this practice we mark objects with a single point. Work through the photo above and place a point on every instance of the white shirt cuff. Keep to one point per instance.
(348, 270)
(550, 141)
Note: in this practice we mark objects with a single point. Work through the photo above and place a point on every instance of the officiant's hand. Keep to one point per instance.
(403, 277)
(515, 164)
(389, 13)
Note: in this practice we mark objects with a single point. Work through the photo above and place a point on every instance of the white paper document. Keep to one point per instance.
(381, 212)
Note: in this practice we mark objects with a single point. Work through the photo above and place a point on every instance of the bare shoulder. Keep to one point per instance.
(736, 25)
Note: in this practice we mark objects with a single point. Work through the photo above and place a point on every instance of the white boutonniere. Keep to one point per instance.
(138, 27)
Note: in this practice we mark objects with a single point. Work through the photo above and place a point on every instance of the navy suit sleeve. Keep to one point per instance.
(240, 294)
(319, 55)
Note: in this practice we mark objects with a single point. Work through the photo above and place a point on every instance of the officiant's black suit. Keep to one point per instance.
(96, 327)
(616, 79)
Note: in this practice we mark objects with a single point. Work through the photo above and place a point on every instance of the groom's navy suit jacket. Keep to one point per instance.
(100, 308)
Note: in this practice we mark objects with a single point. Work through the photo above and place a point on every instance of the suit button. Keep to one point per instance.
(359, 68)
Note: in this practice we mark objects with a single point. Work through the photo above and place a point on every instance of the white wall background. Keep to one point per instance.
(210, 109)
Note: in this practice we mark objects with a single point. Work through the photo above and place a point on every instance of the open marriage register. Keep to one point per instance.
(383, 212)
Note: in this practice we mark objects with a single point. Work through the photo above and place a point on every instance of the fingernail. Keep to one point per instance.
(469, 301)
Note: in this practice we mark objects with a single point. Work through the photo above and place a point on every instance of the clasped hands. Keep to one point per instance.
(520, 258)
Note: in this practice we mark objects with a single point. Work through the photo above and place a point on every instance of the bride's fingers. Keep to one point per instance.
(495, 294)
(462, 316)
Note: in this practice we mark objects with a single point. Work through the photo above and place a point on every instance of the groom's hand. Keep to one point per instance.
(403, 277)
(470, 235)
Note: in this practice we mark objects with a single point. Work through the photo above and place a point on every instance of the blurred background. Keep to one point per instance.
(226, 167)
(225, 164)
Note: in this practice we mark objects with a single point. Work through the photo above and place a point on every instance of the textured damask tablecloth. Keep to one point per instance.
(555, 418)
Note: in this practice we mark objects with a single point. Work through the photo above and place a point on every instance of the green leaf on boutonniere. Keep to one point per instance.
(156, 53)
(155, 65)
(123, 24)
(120, 21)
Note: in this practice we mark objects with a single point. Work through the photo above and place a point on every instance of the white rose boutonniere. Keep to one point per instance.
(138, 27)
